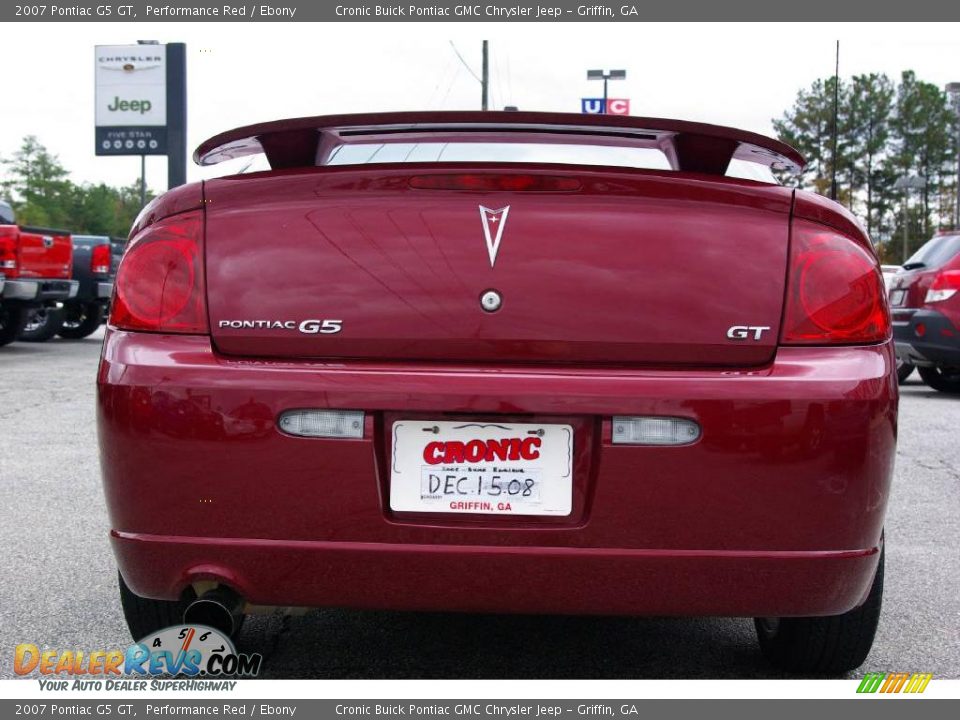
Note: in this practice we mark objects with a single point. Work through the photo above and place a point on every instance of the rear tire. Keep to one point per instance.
(946, 380)
(12, 320)
(42, 324)
(904, 370)
(824, 645)
(81, 320)
(145, 616)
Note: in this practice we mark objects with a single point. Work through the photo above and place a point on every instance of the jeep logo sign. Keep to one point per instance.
(131, 99)
(143, 106)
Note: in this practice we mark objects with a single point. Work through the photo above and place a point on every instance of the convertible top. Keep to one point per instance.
(689, 146)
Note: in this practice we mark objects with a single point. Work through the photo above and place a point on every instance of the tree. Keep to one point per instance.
(807, 127)
(884, 132)
(41, 192)
(922, 125)
(868, 130)
(38, 185)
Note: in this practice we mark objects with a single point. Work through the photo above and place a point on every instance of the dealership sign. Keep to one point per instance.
(131, 99)
(615, 106)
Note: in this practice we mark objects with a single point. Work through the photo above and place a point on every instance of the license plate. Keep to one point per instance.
(481, 468)
(896, 297)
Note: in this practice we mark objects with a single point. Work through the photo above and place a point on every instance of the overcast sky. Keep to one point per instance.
(239, 73)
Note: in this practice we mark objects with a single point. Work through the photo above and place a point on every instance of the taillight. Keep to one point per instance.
(100, 260)
(8, 254)
(835, 292)
(159, 285)
(944, 286)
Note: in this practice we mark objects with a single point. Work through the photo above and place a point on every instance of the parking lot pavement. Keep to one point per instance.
(59, 581)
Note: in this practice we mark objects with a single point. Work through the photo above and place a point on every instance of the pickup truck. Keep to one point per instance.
(80, 316)
(36, 264)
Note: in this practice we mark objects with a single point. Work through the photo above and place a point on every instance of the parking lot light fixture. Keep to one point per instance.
(907, 183)
(953, 91)
(606, 75)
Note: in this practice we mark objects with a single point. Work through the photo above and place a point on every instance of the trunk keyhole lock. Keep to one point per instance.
(490, 301)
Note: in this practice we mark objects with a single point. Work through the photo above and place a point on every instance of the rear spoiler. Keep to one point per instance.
(689, 146)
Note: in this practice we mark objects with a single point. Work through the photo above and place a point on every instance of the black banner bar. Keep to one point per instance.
(486, 709)
(516, 11)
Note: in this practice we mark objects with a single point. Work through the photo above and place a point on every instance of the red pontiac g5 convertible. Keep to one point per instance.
(502, 362)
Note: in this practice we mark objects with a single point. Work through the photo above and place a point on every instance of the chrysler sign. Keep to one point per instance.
(131, 99)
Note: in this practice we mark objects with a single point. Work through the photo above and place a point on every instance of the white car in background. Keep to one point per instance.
(904, 369)
(888, 272)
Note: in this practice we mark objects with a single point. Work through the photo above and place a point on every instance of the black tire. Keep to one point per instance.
(81, 320)
(12, 319)
(904, 370)
(41, 325)
(145, 616)
(823, 645)
(946, 380)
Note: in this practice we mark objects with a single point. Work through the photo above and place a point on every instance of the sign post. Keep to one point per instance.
(176, 114)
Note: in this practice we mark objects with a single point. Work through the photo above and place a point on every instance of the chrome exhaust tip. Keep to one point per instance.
(220, 608)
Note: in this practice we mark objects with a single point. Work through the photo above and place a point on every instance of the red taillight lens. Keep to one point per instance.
(8, 255)
(834, 291)
(944, 286)
(100, 260)
(495, 182)
(159, 285)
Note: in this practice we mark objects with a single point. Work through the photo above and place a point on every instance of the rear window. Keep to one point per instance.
(935, 252)
(420, 152)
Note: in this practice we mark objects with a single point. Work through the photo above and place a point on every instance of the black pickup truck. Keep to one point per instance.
(93, 268)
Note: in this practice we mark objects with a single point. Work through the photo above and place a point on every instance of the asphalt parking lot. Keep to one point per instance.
(59, 580)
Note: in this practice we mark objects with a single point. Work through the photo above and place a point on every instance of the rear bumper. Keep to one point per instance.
(93, 290)
(939, 344)
(777, 510)
(471, 578)
(39, 289)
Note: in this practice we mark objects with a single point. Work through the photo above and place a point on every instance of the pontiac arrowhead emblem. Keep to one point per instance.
(498, 220)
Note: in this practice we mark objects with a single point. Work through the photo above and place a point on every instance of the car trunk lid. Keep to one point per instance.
(629, 268)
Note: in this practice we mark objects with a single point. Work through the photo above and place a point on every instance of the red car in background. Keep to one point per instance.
(35, 268)
(484, 362)
(925, 304)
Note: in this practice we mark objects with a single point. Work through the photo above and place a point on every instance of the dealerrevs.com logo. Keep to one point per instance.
(200, 654)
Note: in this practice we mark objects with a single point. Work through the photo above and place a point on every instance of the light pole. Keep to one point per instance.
(906, 183)
(953, 90)
(605, 76)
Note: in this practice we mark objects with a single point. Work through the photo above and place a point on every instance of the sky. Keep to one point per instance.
(737, 74)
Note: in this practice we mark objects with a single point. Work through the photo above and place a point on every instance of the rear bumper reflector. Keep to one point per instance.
(654, 431)
(322, 423)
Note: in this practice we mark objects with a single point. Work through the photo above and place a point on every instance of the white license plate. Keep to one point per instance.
(896, 297)
(487, 468)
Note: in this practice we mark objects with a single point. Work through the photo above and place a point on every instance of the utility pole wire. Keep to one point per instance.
(469, 69)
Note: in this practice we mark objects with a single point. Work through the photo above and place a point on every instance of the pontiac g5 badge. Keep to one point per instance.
(493, 223)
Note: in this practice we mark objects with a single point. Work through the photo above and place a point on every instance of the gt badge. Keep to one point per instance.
(493, 223)
(742, 332)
